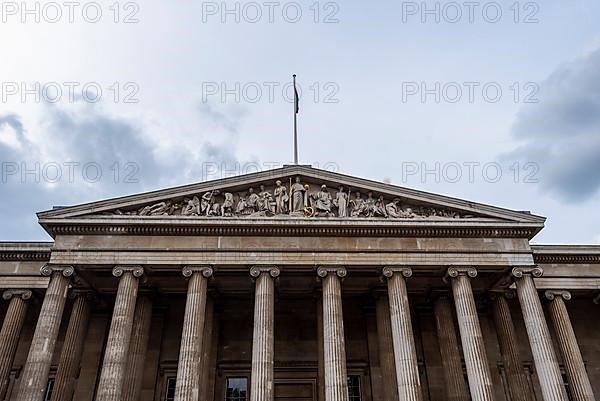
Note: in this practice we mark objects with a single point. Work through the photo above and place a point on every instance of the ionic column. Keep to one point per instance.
(405, 353)
(579, 382)
(261, 380)
(334, 358)
(509, 348)
(70, 357)
(114, 367)
(136, 355)
(456, 388)
(11, 330)
(35, 373)
(187, 387)
(385, 344)
(546, 364)
(478, 369)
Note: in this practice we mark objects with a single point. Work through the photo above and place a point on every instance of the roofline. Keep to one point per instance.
(192, 189)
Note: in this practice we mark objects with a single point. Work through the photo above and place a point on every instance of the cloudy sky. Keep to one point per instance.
(495, 102)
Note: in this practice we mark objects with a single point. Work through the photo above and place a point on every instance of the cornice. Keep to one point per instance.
(25, 251)
(328, 227)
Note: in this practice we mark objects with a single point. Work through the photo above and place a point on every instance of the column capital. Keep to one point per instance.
(48, 269)
(206, 270)
(388, 271)
(550, 295)
(323, 271)
(273, 271)
(10, 294)
(137, 271)
(535, 271)
(454, 272)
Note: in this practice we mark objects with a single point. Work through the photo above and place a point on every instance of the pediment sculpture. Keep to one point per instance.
(297, 199)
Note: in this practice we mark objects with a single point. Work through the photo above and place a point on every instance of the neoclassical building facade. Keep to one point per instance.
(297, 284)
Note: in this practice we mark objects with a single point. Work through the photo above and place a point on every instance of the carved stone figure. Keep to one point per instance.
(207, 203)
(158, 209)
(321, 202)
(358, 206)
(393, 209)
(281, 198)
(297, 194)
(265, 201)
(242, 205)
(192, 208)
(227, 206)
(252, 202)
(379, 208)
(341, 202)
(370, 205)
(407, 213)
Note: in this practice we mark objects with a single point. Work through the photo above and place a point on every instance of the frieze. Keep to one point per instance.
(292, 199)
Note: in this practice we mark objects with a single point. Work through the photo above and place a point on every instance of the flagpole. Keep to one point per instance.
(295, 122)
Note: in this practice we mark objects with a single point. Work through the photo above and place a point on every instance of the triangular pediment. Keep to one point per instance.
(291, 192)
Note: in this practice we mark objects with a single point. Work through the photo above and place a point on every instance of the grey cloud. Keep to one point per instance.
(93, 136)
(562, 132)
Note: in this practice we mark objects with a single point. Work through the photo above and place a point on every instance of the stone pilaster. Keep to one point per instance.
(11, 330)
(334, 348)
(456, 388)
(70, 357)
(114, 367)
(187, 387)
(261, 380)
(136, 355)
(35, 373)
(405, 353)
(385, 344)
(478, 369)
(509, 348)
(546, 364)
(579, 382)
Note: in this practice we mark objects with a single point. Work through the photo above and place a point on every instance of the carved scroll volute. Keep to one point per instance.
(255, 271)
(535, 271)
(389, 271)
(340, 271)
(137, 271)
(550, 295)
(48, 269)
(205, 270)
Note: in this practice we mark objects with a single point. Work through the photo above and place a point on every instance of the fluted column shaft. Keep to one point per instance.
(456, 388)
(137, 349)
(207, 350)
(187, 387)
(114, 366)
(35, 373)
(261, 380)
(405, 353)
(478, 369)
(579, 382)
(336, 380)
(385, 344)
(11, 330)
(70, 357)
(509, 348)
(546, 364)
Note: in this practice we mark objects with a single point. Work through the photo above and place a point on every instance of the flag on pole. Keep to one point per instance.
(296, 97)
